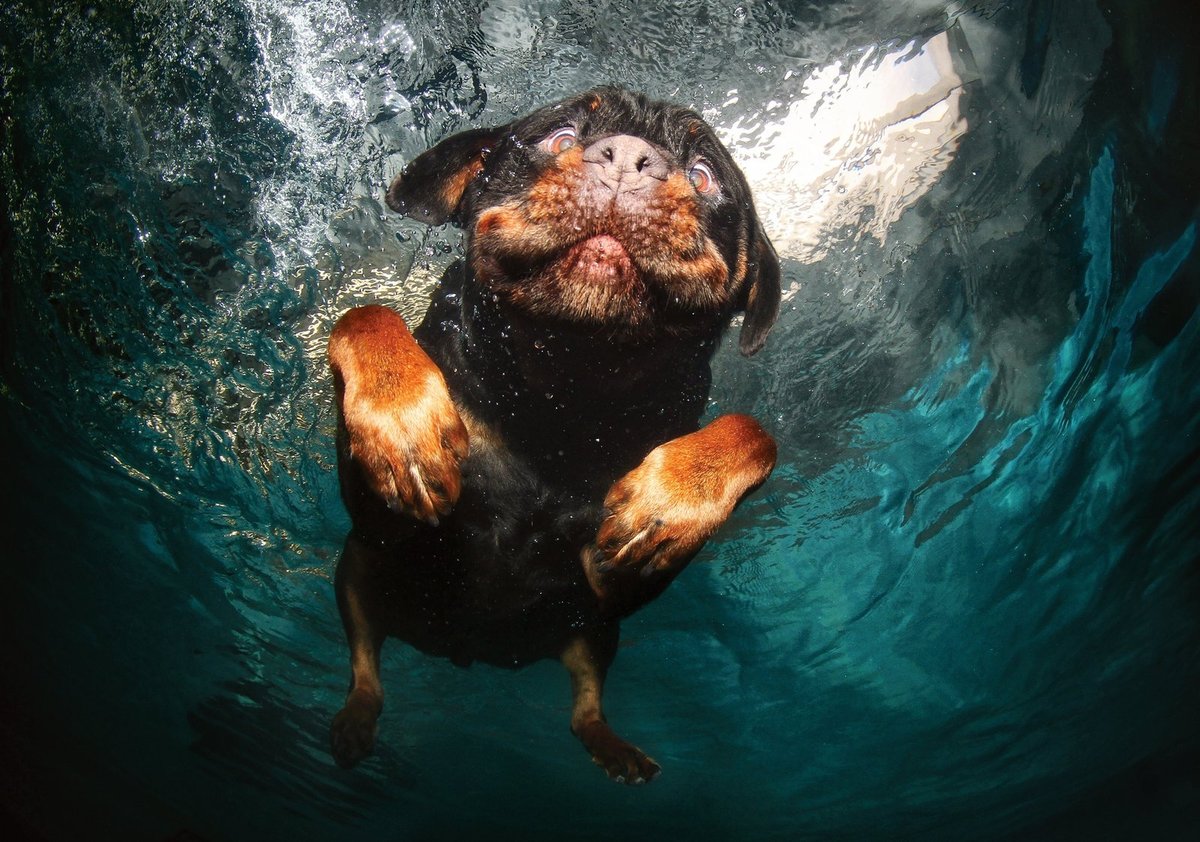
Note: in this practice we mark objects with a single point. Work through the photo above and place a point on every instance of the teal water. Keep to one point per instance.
(964, 606)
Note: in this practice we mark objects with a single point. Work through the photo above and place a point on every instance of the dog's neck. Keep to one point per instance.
(559, 389)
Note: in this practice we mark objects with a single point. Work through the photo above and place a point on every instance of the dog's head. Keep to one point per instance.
(607, 211)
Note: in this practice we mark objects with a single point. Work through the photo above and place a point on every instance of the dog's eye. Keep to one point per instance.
(560, 140)
(702, 178)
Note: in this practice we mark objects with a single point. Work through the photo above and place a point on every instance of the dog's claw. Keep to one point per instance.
(411, 475)
(659, 515)
(623, 762)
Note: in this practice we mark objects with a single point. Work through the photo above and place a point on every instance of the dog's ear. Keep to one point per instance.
(760, 295)
(431, 187)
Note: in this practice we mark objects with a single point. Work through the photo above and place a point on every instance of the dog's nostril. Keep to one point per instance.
(628, 160)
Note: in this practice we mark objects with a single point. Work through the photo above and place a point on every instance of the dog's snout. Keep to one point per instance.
(626, 163)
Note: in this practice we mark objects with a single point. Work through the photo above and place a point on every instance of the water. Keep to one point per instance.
(963, 607)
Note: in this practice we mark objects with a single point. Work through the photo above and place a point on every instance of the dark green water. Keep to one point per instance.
(964, 607)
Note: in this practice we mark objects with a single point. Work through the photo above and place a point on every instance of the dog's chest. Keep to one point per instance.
(578, 409)
(499, 580)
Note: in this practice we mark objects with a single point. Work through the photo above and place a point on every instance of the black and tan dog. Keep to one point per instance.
(527, 467)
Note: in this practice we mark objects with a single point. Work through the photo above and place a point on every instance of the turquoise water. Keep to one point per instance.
(964, 606)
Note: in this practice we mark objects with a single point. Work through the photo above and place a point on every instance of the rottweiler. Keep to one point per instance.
(527, 467)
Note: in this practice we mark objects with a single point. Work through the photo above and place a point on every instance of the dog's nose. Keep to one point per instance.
(626, 163)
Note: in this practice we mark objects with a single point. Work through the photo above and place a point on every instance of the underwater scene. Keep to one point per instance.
(965, 604)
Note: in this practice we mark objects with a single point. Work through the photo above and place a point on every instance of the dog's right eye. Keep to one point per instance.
(560, 140)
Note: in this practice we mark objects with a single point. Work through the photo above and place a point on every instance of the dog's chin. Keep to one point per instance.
(599, 261)
(592, 284)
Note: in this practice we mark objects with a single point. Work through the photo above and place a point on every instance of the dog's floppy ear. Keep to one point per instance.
(431, 187)
(760, 296)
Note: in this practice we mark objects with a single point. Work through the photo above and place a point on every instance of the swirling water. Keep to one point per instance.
(964, 605)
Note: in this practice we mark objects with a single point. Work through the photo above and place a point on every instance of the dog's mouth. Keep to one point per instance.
(558, 252)
(591, 279)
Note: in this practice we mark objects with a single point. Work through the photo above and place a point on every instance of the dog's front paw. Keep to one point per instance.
(409, 444)
(401, 427)
(660, 514)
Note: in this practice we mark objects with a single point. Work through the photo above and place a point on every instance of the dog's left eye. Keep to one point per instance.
(560, 140)
(702, 178)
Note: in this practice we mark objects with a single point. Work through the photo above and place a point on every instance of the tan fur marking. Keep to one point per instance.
(480, 434)
(741, 265)
(456, 185)
(622, 761)
(403, 428)
(668, 506)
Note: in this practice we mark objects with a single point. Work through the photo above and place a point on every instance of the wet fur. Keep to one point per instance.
(527, 466)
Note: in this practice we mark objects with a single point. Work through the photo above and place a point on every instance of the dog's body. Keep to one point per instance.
(527, 467)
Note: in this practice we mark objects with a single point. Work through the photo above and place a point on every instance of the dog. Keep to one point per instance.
(527, 467)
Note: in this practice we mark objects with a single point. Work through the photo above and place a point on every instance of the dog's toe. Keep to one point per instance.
(623, 762)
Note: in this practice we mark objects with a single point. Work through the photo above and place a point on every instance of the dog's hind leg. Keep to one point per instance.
(587, 659)
(352, 734)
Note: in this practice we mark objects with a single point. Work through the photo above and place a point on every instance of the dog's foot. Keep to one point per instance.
(352, 735)
(623, 762)
(661, 513)
(410, 449)
(402, 427)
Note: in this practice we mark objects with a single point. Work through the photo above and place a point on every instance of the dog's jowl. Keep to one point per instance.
(527, 466)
